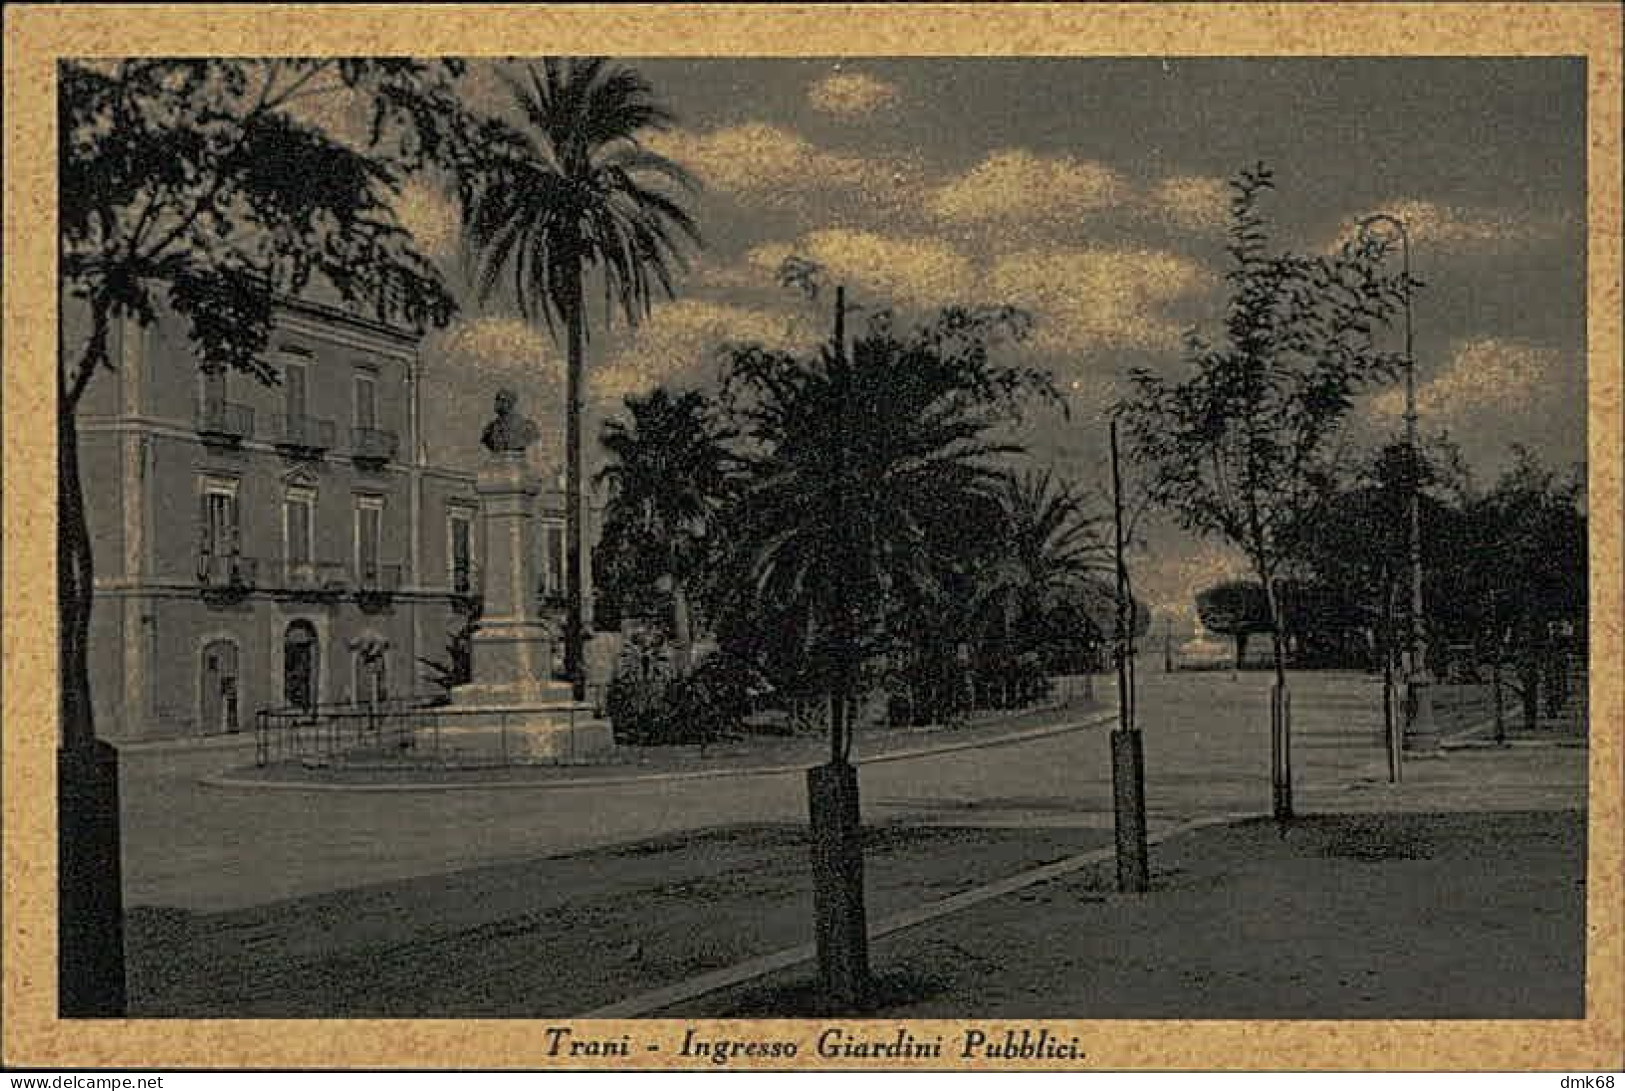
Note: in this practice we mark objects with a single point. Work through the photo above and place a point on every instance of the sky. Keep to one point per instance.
(1092, 193)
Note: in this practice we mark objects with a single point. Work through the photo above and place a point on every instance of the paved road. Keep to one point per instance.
(1206, 743)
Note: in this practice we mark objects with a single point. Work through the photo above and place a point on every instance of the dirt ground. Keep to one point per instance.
(554, 936)
(1414, 916)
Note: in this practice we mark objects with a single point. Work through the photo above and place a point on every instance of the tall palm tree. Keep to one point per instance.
(670, 474)
(570, 195)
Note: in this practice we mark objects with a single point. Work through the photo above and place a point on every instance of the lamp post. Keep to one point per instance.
(1416, 671)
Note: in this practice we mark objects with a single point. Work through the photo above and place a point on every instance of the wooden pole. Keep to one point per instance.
(1128, 753)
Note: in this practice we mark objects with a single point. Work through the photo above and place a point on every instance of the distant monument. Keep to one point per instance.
(512, 706)
(507, 430)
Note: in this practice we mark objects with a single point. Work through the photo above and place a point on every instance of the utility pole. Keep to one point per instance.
(1128, 750)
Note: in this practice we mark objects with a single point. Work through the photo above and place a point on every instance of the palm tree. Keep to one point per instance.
(670, 475)
(858, 467)
(1049, 573)
(571, 194)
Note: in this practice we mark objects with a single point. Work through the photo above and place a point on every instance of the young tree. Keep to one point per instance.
(570, 194)
(1238, 449)
(197, 186)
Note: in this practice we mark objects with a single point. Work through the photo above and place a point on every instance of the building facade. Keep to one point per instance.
(261, 546)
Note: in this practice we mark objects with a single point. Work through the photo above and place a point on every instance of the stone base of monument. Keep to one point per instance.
(516, 724)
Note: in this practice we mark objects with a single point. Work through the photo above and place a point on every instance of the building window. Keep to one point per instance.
(369, 519)
(218, 532)
(460, 552)
(294, 377)
(366, 400)
(299, 528)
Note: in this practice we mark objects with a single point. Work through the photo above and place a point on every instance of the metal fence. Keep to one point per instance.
(408, 732)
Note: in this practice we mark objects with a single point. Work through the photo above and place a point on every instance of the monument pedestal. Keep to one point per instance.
(512, 709)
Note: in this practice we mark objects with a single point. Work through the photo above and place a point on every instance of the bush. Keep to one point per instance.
(701, 707)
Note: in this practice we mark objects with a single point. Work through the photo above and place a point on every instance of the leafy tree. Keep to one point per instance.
(571, 195)
(1237, 609)
(1047, 577)
(669, 474)
(1532, 570)
(1240, 448)
(196, 186)
(856, 471)
(857, 466)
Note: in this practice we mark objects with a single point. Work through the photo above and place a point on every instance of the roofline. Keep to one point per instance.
(340, 316)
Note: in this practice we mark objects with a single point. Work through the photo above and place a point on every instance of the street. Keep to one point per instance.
(1206, 744)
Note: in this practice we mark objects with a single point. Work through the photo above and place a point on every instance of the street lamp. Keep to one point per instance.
(1380, 227)
(1416, 659)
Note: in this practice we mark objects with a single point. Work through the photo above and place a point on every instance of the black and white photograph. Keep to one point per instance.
(849, 539)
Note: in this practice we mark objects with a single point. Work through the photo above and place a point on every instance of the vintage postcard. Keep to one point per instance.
(906, 538)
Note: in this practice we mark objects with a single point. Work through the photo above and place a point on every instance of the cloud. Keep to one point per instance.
(1094, 298)
(851, 94)
(765, 162)
(1458, 227)
(1015, 185)
(430, 216)
(1488, 375)
(680, 339)
(901, 270)
(1189, 201)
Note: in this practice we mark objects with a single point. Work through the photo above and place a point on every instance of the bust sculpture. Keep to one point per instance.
(507, 430)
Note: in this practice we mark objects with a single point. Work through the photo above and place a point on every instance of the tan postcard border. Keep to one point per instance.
(36, 35)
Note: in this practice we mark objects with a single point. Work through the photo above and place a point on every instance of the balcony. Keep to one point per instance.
(312, 581)
(376, 584)
(225, 578)
(302, 436)
(223, 422)
(372, 448)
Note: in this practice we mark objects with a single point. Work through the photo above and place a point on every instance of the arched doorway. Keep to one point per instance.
(299, 665)
(218, 696)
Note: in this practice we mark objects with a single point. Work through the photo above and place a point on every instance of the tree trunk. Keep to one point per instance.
(681, 627)
(75, 576)
(574, 532)
(840, 921)
(1529, 681)
(1280, 713)
(90, 898)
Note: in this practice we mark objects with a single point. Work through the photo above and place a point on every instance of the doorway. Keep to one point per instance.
(299, 665)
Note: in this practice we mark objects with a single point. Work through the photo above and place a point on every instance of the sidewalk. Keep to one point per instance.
(1459, 893)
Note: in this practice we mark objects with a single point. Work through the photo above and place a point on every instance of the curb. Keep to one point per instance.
(647, 1003)
(1023, 735)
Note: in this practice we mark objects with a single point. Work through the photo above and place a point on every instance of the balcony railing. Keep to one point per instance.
(225, 421)
(302, 434)
(376, 584)
(226, 576)
(313, 579)
(373, 446)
